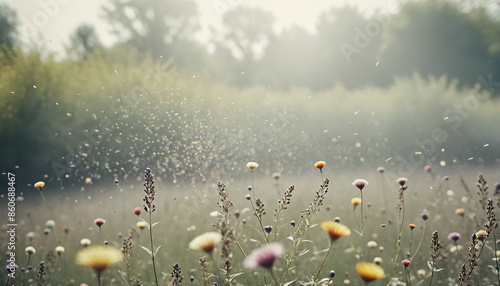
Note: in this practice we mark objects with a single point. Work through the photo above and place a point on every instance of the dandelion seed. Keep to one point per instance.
(264, 256)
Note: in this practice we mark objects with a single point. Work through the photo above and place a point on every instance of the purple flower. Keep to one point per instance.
(381, 170)
(454, 236)
(264, 256)
(11, 267)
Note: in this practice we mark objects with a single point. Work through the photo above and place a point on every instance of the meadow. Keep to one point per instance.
(400, 219)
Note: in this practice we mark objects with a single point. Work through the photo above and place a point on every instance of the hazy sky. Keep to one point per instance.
(54, 20)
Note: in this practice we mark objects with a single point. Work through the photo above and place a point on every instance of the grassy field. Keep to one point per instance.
(186, 211)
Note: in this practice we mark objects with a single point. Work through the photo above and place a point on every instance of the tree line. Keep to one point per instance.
(430, 37)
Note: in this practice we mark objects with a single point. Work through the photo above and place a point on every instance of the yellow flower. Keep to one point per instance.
(39, 185)
(141, 224)
(355, 201)
(99, 257)
(206, 241)
(335, 229)
(252, 165)
(481, 235)
(369, 271)
(319, 164)
(460, 212)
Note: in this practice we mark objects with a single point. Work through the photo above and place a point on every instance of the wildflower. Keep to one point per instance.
(360, 183)
(50, 224)
(481, 235)
(412, 226)
(427, 168)
(88, 181)
(264, 256)
(39, 185)
(137, 211)
(292, 223)
(381, 170)
(377, 260)
(59, 250)
(141, 224)
(371, 244)
(320, 165)
(332, 274)
(252, 166)
(402, 181)
(369, 271)
(99, 221)
(268, 228)
(65, 228)
(30, 250)
(98, 257)
(460, 212)
(424, 216)
(85, 242)
(355, 201)
(454, 236)
(30, 235)
(276, 176)
(421, 273)
(335, 230)
(11, 268)
(206, 241)
(406, 263)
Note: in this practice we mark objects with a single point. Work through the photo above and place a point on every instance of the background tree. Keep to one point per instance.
(162, 28)
(339, 30)
(434, 38)
(84, 41)
(245, 34)
(8, 26)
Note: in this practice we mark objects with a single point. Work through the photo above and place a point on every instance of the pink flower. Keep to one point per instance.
(381, 170)
(99, 221)
(402, 181)
(427, 168)
(360, 183)
(264, 256)
(406, 263)
(276, 175)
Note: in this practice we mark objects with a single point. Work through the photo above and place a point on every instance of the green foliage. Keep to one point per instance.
(8, 27)
(117, 110)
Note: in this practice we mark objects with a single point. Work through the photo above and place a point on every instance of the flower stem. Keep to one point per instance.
(152, 248)
(323, 262)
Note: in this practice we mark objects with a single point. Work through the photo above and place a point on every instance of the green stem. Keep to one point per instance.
(152, 248)
(420, 243)
(323, 262)
(362, 227)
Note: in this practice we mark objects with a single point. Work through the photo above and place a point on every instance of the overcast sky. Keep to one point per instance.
(54, 20)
